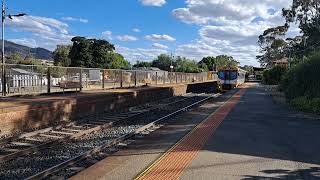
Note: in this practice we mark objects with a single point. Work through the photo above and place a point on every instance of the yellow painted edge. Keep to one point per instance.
(147, 170)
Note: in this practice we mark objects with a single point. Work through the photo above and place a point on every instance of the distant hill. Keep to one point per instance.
(38, 53)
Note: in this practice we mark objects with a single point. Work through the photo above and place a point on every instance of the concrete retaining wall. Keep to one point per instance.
(47, 113)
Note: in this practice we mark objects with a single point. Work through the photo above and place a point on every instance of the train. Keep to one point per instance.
(230, 77)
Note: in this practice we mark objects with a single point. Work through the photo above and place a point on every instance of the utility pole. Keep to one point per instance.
(3, 57)
(3, 64)
(171, 66)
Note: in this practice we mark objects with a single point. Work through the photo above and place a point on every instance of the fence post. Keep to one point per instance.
(176, 77)
(135, 78)
(121, 79)
(157, 78)
(49, 80)
(3, 80)
(103, 75)
(80, 79)
(41, 78)
(8, 82)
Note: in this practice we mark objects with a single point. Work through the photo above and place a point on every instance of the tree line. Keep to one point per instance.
(300, 81)
(89, 53)
(274, 44)
(97, 53)
(94, 53)
(182, 64)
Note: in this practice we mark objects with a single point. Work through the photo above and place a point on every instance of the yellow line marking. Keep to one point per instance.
(146, 171)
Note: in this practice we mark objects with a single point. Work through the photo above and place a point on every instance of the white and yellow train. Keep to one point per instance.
(230, 77)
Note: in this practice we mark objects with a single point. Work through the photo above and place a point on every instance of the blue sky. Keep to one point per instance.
(142, 29)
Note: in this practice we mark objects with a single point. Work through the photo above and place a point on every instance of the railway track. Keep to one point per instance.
(30, 142)
(45, 160)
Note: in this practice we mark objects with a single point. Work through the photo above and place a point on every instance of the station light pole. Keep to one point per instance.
(171, 66)
(3, 78)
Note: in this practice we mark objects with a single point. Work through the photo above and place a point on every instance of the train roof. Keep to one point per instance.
(233, 68)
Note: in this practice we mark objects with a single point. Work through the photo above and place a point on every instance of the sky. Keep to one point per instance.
(143, 29)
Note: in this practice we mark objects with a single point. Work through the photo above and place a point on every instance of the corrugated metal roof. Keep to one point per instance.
(22, 71)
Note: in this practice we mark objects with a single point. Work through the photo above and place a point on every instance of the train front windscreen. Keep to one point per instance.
(228, 75)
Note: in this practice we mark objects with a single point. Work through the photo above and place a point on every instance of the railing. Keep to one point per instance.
(32, 79)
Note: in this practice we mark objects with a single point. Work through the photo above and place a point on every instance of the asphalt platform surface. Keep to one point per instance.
(258, 139)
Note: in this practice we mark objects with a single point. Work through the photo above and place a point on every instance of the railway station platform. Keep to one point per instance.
(240, 135)
(18, 114)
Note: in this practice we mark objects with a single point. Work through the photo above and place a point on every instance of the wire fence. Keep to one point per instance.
(32, 79)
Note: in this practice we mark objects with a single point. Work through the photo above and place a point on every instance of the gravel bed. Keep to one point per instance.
(26, 166)
(79, 166)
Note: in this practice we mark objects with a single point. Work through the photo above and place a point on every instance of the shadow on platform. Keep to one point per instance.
(309, 173)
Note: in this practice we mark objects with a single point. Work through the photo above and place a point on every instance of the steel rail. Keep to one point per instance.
(52, 142)
(114, 142)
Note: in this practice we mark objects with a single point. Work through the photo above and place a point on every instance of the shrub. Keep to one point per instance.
(304, 104)
(303, 79)
(274, 75)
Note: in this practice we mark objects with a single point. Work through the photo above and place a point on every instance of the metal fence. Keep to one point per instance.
(31, 79)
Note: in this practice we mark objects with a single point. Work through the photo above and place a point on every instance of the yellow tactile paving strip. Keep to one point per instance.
(172, 164)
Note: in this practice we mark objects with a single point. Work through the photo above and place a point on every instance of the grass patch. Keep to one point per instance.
(305, 104)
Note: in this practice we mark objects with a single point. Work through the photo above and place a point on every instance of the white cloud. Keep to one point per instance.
(198, 50)
(139, 54)
(127, 38)
(75, 19)
(160, 46)
(227, 11)
(25, 41)
(229, 27)
(157, 37)
(107, 34)
(46, 32)
(157, 3)
(136, 30)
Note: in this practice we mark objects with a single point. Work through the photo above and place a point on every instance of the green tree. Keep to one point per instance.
(209, 62)
(144, 64)
(203, 66)
(273, 46)
(61, 55)
(14, 58)
(249, 69)
(29, 60)
(224, 60)
(102, 54)
(218, 62)
(305, 13)
(95, 53)
(274, 75)
(117, 61)
(186, 65)
(163, 62)
(80, 53)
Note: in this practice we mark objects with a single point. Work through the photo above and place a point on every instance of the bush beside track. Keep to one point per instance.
(301, 85)
(274, 75)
